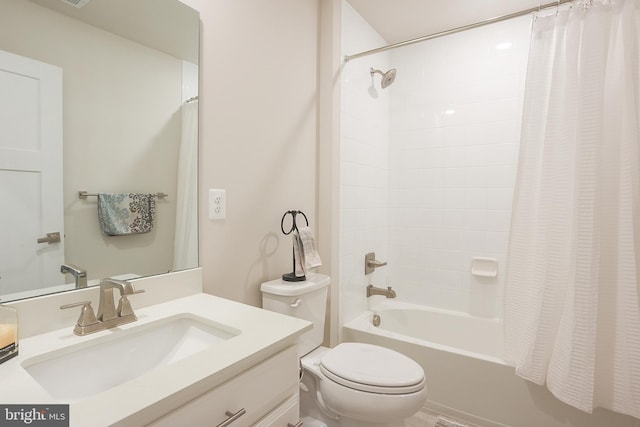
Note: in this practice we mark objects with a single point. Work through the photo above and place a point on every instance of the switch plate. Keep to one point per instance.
(217, 204)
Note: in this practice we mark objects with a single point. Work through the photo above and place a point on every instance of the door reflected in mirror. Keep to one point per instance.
(115, 111)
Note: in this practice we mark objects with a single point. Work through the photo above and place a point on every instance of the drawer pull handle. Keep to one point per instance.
(298, 424)
(232, 417)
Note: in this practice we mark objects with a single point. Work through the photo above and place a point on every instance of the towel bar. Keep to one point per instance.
(84, 195)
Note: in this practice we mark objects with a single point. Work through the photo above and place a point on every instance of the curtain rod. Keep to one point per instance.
(459, 29)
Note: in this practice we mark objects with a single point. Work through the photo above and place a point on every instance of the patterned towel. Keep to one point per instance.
(126, 213)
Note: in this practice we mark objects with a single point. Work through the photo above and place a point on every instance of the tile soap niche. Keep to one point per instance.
(484, 267)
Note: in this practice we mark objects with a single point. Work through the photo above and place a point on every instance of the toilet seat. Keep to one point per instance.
(372, 369)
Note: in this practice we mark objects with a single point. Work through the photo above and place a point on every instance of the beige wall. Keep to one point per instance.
(137, 92)
(328, 152)
(257, 136)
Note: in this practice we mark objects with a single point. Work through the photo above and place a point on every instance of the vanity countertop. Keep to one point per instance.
(149, 396)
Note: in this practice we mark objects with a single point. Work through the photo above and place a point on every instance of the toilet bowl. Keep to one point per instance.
(366, 383)
(353, 384)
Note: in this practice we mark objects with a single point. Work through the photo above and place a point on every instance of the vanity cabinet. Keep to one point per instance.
(266, 394)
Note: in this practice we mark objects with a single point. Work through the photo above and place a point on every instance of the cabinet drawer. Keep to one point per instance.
(253, 393)
(287, 414)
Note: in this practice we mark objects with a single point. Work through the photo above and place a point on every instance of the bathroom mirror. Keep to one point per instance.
(119, 115)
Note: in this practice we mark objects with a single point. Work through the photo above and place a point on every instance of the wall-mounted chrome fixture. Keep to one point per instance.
(372, 290)
(85, 194)
(387, 77)
(375, 320)
(371, 263)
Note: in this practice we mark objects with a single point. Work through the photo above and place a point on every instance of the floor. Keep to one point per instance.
(421, 419)
(427, 419)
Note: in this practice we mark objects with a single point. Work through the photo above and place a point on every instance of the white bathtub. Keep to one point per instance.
(466, 376)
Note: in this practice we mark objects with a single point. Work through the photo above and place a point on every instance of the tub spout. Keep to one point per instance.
(372, 290)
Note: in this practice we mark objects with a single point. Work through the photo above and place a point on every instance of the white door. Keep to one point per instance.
(31, 202)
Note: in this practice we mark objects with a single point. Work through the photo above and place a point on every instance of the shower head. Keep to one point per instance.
(387, 78)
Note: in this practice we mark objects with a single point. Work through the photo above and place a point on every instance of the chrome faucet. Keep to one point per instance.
(108, 314)
(79, 274)
(372, 290)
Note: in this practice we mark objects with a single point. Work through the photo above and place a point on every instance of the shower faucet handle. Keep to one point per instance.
(371, 263)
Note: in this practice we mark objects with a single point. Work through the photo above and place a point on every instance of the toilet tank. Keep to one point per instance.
(305, 300)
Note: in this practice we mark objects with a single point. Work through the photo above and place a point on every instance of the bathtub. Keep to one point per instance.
(467, 377)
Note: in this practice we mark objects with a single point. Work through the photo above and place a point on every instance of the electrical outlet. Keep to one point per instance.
(217, 204)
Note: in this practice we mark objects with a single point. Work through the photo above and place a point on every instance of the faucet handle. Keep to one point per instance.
(371, 263)
(87, 315)
(87, 321)
(124, 305)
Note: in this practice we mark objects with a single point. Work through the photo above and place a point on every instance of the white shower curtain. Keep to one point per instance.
(185, 252)
(572, 317)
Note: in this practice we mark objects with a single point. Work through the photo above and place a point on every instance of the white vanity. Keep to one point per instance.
(238, 365)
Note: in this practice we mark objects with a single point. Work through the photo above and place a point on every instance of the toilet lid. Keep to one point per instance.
(371, 368)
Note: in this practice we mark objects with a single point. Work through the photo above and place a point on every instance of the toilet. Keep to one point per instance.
(352, 384)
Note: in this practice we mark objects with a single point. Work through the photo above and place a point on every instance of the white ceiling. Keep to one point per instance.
(166, 25)
(400, 20)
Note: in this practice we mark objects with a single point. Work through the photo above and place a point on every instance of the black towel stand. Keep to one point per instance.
(291, 277)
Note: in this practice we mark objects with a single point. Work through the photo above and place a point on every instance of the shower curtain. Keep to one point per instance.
(185, 252)
(572, 317)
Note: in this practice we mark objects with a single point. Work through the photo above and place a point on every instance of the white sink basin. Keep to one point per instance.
(83, 370)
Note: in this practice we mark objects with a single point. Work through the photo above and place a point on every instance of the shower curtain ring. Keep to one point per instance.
(537, 13)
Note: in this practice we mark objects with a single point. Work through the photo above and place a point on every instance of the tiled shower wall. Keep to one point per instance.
(428, 164)
(455, 119)
(364, 164)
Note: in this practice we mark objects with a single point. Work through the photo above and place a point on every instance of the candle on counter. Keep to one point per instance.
(8, 333)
